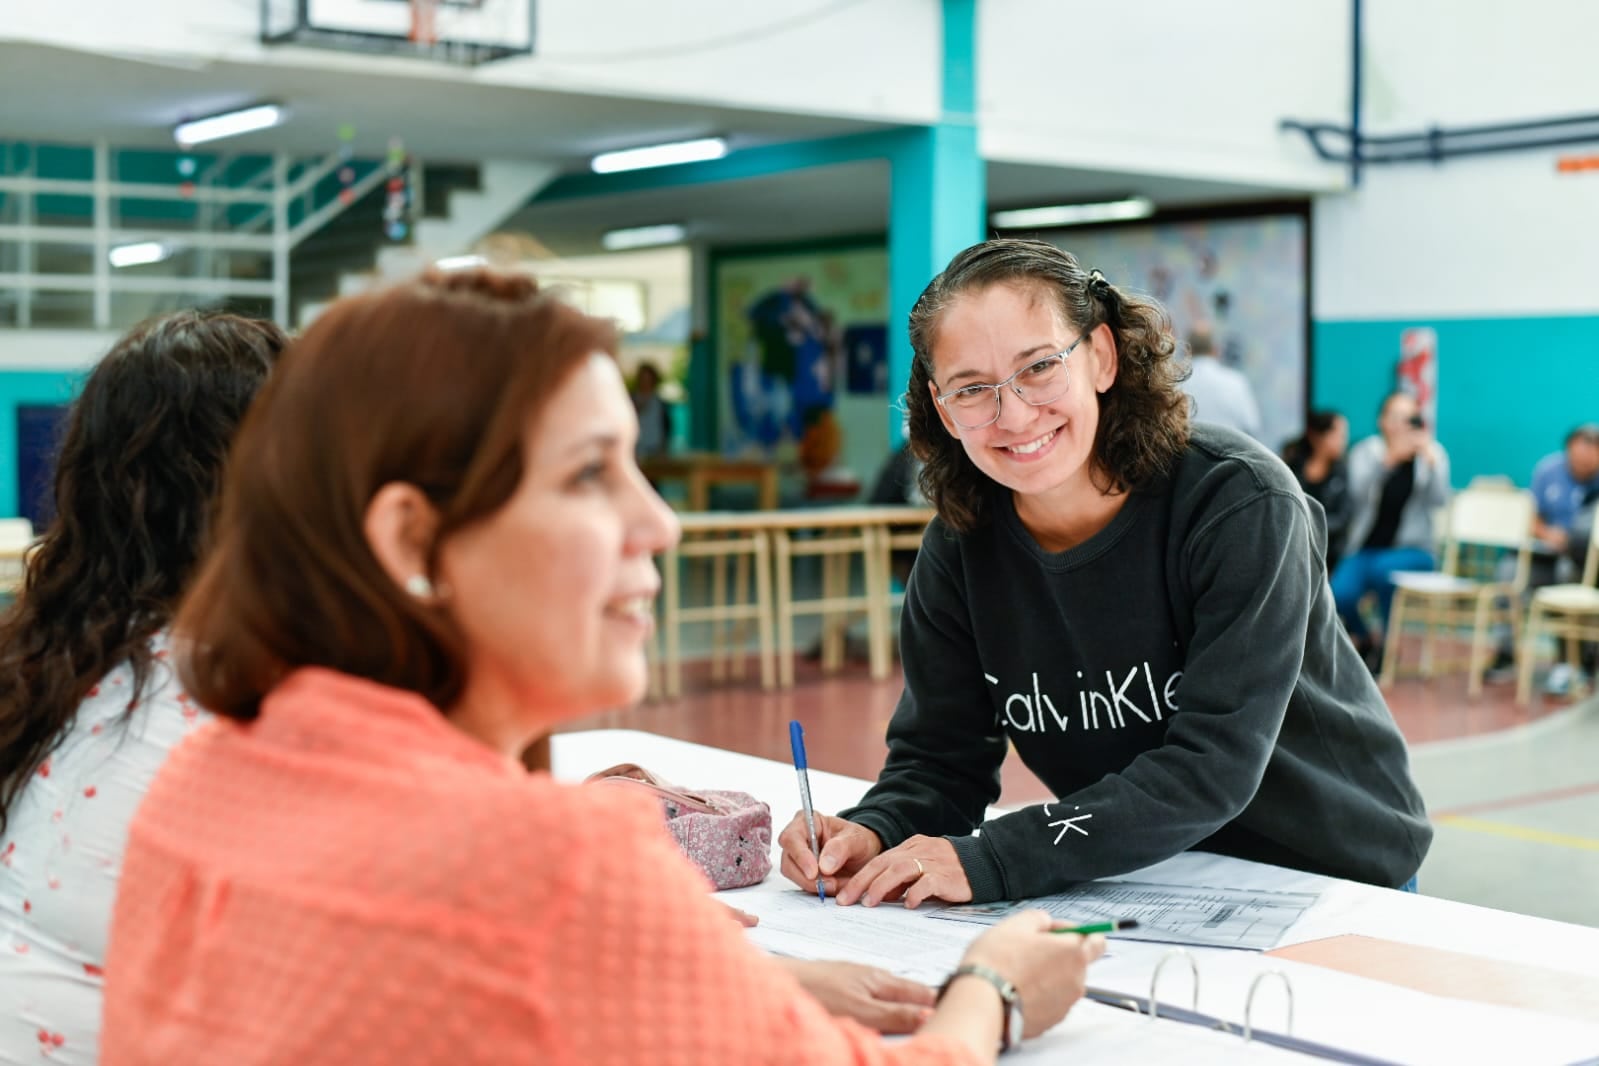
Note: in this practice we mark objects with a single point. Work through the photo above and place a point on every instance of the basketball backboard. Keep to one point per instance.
(468, 32)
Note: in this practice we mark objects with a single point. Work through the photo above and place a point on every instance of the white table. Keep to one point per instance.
(1343, 907)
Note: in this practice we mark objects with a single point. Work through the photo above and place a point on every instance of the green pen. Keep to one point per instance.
(1099, 927)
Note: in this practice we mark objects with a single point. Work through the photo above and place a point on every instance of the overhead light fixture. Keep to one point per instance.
(660, 155)
(1125, 210)
(618, 240)
(460, 262)
(140, 254)
(228, 124)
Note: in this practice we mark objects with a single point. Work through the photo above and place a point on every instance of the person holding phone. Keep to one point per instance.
(1397, 480)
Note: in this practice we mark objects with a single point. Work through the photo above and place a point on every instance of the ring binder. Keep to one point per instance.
(1154, 979)
(1249, 1002)
(1192, 1016)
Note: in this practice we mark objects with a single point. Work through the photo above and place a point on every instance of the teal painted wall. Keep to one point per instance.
(20, 388)
(1508, 388)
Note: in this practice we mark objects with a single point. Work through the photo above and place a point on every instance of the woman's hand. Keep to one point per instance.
(846, 847)
(873, 997)
(743, 918)
(1049, 970)
(920, 869)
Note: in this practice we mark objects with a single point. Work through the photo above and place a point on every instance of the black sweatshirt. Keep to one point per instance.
(1180, 680)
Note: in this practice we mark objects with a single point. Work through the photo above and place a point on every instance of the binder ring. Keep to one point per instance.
(1249, 1000)
(1154, 979)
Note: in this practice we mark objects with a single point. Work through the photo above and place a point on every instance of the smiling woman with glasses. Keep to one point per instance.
(1136, 604)
(976, 406)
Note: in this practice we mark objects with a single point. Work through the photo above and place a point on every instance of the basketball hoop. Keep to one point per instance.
(460, 32)
(425, 22)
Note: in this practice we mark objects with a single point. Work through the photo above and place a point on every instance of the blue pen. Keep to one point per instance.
(796, 740)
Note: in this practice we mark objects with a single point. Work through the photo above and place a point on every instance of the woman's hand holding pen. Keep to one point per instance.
(845, 848)
(854, 866)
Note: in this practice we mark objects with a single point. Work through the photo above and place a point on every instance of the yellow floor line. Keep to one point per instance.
(1517, 832)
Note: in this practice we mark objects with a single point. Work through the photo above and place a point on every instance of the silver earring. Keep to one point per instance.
(419, 586)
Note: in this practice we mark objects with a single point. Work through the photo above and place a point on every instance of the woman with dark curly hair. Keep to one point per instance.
(89, 706)
(1138, 605)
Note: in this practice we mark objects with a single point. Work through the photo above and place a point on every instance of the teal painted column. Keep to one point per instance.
(937, 193)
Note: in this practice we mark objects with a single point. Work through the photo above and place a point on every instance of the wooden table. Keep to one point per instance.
(754, 537)
(700, 470)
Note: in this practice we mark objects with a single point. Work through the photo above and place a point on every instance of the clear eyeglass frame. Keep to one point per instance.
(968, 392)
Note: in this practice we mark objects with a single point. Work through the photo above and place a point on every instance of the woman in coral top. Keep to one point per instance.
(434, 547)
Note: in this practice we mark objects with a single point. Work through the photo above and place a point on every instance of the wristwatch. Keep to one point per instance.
(1010, 1033)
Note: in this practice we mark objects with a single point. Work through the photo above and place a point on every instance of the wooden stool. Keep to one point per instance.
(732, 543)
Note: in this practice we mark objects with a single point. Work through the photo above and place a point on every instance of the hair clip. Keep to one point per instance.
(1096, 279)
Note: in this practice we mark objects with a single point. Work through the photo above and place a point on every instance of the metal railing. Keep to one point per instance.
(211, 251)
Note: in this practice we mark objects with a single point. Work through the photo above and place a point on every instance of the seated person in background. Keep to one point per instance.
(89, 707)
(897, 485)
(1220, 393)
(403, 595)
(1317, 460)
(1397, 480)
(1562, 483)
(1138, 605)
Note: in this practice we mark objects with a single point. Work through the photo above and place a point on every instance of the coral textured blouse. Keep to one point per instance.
(350, 879)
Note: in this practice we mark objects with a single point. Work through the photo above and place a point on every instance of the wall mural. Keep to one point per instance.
(1244, 277)
(802, 348)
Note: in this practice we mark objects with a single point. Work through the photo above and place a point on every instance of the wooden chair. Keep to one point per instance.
(16, 537)
(1482, 524)
(718, 539)
(1568, 612)
(837, 541)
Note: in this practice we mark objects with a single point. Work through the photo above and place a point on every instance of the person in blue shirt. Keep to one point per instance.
(1563, 482)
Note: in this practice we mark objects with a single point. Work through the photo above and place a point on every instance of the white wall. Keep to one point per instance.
(1164, 86)
(172, 28)
(875, 60)
(53, 349)
(1497, 235)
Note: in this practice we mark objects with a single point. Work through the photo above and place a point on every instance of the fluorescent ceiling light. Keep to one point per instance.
(660, 155)
(643, 237)
(1133, 207)
(127, 255)
(228, 124)
(460, 262)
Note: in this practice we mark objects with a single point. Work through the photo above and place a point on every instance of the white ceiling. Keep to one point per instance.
(844, 200)
(77, 97)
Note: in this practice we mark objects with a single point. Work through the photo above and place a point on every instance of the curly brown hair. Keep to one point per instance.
(1143, 416)
(136, 478)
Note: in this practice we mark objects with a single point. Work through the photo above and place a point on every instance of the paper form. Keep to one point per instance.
(890, 937)
(1168, 914)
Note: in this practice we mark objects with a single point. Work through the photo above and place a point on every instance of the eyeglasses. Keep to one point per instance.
(976, 406)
